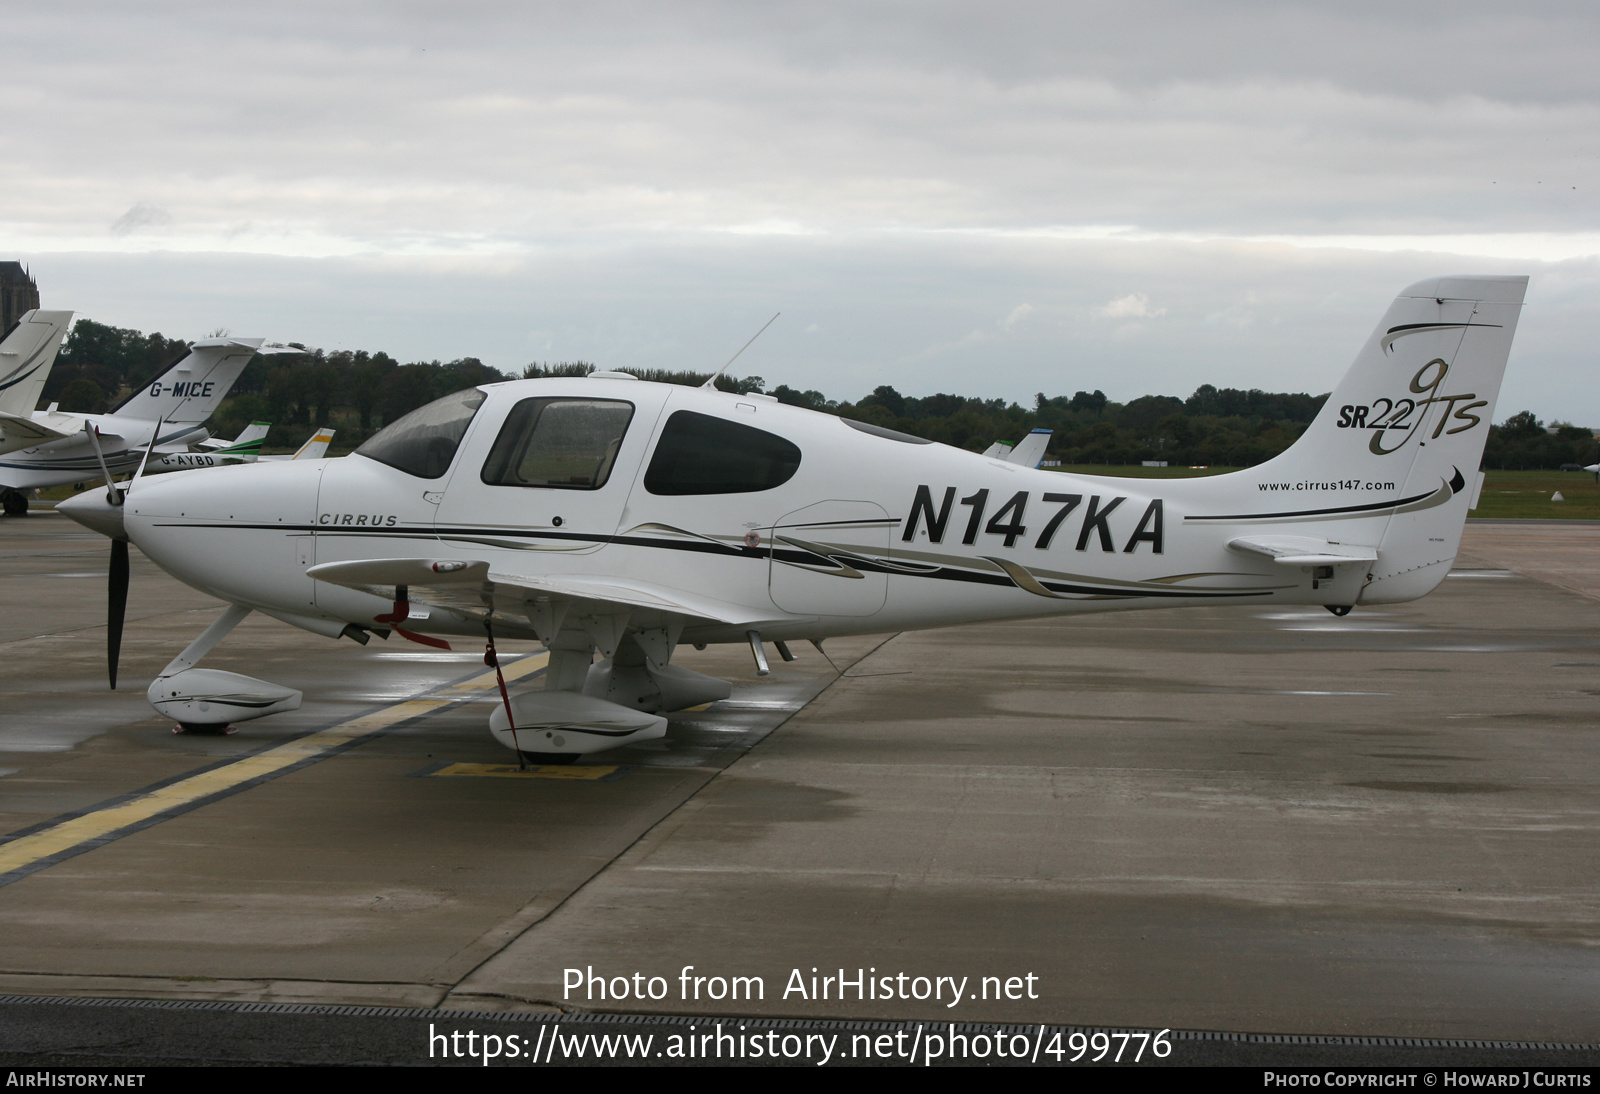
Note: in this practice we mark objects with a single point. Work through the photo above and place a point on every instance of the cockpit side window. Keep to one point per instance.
(568, 444)
(699, 454)
(425, 441)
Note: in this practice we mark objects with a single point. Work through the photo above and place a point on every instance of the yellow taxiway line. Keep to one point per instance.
(33, 851)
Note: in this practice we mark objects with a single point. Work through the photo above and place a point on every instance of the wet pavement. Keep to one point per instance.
(1250, 820)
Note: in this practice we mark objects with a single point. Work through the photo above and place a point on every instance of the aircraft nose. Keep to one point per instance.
(95, 512)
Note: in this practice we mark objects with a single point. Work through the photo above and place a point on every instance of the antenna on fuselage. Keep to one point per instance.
(713, 380)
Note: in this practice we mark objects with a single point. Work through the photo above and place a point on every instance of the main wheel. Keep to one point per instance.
(16, 503)
(550, 759)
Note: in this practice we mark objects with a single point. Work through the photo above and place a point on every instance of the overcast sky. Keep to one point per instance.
(990, 199)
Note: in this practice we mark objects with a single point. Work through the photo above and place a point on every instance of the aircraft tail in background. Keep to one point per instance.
(26, 355)
(190, 391)
(316, 447)
(245, 448)
(1029, 451)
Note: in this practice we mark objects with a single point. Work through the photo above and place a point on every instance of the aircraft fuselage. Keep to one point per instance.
(871, 531)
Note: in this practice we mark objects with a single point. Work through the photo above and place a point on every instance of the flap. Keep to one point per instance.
(1303, 550)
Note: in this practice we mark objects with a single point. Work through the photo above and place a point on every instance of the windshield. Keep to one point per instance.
(425, 441)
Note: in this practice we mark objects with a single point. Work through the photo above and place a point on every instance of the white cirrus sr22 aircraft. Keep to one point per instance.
(605, 513)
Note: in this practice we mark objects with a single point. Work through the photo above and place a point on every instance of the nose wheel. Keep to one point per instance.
(205, 730)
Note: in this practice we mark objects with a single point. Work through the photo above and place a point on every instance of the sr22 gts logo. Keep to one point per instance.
(1384, 415)
(1007, 520)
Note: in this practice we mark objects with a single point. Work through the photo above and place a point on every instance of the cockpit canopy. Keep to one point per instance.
(566, 443)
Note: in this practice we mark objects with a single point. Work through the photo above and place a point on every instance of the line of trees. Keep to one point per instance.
(100, 366)
(1213, 426)
(357, 392)
(1523, 443)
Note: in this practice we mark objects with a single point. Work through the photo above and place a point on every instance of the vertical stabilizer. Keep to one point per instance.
(191, 390)
(1391, 459)
(1029, 450)
(26, 356)
(315, 448)
(247, 445)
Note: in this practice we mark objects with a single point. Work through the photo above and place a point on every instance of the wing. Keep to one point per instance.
(472, 590)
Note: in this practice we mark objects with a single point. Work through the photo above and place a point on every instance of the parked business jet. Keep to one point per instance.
(605, 513)
(167, 414)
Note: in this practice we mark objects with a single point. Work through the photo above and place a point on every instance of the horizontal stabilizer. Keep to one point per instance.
(17, 432)
(1303, 550)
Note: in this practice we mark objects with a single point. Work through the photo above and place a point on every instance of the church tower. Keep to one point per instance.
(18, 294)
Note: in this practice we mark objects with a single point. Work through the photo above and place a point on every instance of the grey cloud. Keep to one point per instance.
(140, 215)
(519, 122)
(644, 184)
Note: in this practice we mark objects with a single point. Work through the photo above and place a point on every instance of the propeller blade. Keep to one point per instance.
(113, 495)
(149, 448)
(116, 605)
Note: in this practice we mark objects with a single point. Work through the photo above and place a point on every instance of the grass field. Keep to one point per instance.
(1526, 494)
(1506, 494)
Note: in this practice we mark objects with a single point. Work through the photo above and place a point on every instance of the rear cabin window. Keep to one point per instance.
(699, 454)
(568, 444)
(425, 441)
